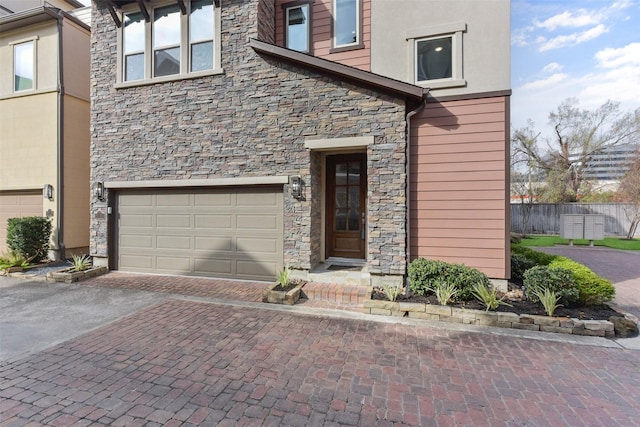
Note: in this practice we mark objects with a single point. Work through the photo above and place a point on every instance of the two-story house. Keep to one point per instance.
(44, 119)
(231, 138)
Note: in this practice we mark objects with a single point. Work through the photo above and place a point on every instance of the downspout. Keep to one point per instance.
(60, 165)
(407, 191)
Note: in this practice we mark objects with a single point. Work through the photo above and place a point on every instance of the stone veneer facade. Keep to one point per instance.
(251, 121)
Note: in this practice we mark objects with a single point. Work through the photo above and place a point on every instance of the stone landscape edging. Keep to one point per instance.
(445, 313)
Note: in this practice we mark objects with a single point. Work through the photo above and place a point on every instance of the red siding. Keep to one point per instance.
(458, 184)
(321, 34)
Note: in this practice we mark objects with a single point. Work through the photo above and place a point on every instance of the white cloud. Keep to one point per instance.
(551, 67)
(579, 18)
(543, 83)
(612, 58)
(573, 39)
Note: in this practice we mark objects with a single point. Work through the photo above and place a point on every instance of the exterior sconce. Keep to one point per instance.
(296, 187)
(99, 191)
(47, 191)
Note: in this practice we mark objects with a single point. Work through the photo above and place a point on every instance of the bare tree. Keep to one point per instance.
(524, 176)
(579, 135)
(629, 191)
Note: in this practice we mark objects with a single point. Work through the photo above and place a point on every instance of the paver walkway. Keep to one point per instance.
(192, 363)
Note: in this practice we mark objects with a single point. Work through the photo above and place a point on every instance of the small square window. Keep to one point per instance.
(434, 59)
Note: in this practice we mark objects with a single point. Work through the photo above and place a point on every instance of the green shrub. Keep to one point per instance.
(559, 280)
(592, 288)
(519, 264)
(423, 273)
(29, 237)
(539, 258)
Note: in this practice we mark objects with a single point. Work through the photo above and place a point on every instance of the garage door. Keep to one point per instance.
(215, 233)
(17, 204)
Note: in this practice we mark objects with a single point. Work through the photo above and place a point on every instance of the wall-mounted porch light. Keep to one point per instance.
(296, 187)
(99, 191)
(47, 191)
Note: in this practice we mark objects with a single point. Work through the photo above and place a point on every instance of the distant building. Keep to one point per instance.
(612, 163)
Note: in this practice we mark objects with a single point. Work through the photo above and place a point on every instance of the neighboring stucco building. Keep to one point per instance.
(44, 119)
(232, 138)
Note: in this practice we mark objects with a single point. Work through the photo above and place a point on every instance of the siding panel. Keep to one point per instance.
(458, 183)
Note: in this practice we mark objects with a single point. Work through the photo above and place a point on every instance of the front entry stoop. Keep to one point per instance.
(339, 280)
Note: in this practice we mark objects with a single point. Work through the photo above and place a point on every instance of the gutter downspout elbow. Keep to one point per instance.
(423, 104)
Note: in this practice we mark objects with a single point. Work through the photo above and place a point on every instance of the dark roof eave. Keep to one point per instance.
(27, 17)
(387, 84)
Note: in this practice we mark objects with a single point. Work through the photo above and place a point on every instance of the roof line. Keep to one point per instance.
(363, 77)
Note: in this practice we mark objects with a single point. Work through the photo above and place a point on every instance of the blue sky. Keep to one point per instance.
(587, 49)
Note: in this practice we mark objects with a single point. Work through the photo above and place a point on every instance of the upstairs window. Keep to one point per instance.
(434, 59)
(437, 56)
(133, 46)
(170, 45)
(347, 24)
(201, 35)
(24, 66)
(297, 21)
(166, 40)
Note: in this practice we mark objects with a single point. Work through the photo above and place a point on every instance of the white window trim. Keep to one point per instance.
(185, 48)
(13, 45)
(454, 31)
(358, 43)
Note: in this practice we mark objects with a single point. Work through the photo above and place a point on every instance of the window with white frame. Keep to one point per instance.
(24, 66)
(297, 23)
(347, 28)
(436, 56)
(171, 44)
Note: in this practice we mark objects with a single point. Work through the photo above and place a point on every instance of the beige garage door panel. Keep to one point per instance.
(16, 205)
(216, 233)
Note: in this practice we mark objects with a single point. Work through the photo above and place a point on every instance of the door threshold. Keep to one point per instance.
(346, 262)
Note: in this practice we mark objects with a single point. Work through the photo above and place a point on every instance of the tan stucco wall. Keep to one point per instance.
(76, 65)
(28, 127)
(47, 57)
(76, 173)
(486, 42)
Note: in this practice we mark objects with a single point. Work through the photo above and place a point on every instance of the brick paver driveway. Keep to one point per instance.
(184, 362)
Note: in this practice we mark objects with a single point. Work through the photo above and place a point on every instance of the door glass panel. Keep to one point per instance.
(341, 173)
(354, 173)
(341, 197)
(341, 220)
(354, 198)
(354, 220)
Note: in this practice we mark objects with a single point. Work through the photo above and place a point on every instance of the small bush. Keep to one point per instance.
(549, 300)
(29, 237)
(559, 280)
(81, 262)
(488, 297)
(592, 289)
(391, 291)
(539, 258)
(423, 273)
(444, 291)
(519, 264)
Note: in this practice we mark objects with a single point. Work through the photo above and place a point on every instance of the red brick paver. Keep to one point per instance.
(186, 363)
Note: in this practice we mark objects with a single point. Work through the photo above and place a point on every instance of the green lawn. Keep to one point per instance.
(610, 242)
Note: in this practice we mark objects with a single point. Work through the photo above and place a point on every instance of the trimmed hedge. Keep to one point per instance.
(593, 289)
(539, 258)
(29, 237)
(556, 279)
(423, 272)
(519, 264)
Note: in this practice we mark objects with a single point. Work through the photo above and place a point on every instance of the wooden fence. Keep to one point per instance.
(544, 218)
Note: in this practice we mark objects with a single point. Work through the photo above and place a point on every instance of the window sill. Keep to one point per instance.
(166, 79)
(442, 84)
(30, 92)
(346, 48)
